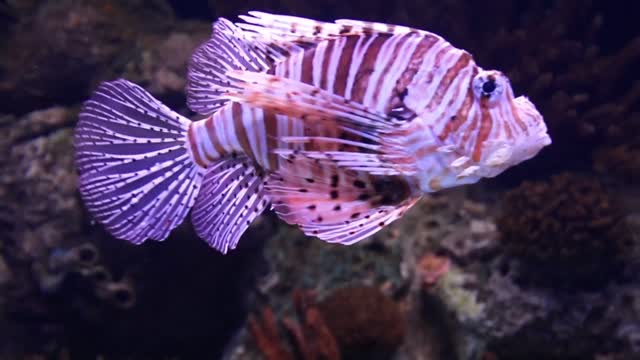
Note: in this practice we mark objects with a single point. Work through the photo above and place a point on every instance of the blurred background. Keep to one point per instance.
(539, 263)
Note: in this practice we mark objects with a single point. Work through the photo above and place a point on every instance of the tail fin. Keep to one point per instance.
(137, 176)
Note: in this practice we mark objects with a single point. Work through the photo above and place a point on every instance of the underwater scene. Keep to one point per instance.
(319, 180)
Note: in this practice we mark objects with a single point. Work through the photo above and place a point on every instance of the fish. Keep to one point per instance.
(338, 127)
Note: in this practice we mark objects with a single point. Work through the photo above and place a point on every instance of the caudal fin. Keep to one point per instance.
(136, 175)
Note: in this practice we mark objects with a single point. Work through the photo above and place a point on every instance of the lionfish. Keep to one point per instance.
(338, 127)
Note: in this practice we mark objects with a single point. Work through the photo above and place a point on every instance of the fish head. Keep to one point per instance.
(502, 130)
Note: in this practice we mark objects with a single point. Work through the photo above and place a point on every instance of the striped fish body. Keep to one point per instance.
(341, 127)
(372, 69)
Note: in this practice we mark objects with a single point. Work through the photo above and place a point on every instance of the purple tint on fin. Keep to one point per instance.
(226, 50)
(232, 196)
(136, 175)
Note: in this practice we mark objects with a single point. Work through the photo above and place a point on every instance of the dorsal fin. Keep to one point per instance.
(227, 49)
(284, 28)
(337, 204)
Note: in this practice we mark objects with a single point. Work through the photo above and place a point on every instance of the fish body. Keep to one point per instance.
(339, 127)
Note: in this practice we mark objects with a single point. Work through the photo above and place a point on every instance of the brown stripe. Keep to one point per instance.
(212, 135)
(241, 132)
(307, 67)
(454, 123)
(486, 123)
(271, 125)
(507, 130)
(417, 58)
(447, 80)
(366, 67)
(194, 146)
(516, 116)
(466, 137)
(392, 62)
(340, 84)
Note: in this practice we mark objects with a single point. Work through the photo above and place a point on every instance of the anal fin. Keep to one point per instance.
(232, 196)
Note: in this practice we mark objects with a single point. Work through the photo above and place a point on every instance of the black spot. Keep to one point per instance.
(334, 194)
(364, 197)
(311, 207)
(351, 232)
(310, 180)
(359, 184)
(355, 215)
(337, 208)
(345, 29)
(319, 219)
(303, 190)
(334, 180)
(403, 94)
(381, 224)
(315, 231)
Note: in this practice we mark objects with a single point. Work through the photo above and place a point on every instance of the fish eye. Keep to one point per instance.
(488, 85)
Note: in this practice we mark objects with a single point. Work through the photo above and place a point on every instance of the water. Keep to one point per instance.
(540, 262)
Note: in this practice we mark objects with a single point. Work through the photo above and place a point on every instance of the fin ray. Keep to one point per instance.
(232, 197)
(226, 50)
(136, 175)
(336, 204)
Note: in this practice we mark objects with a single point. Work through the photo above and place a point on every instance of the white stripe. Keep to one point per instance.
(230, 129)
(334, 61)
(295, 71)
(418, 102)
(258, 115)
(458, 92)
(221, 133)
(447, 61)
(202, 135)
(356, 61)
(318, 58)
(383, 58)
(400, 64)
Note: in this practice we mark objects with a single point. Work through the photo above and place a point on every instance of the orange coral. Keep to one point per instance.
(311, 338)
(431, 268)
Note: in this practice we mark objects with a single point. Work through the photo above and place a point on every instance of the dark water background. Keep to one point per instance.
(543, 259)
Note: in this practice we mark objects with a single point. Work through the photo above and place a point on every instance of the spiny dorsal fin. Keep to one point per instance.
(226, 50)
(336, 204)
(232, 196)
(273, 28)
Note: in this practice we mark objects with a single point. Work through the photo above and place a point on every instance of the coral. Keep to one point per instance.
(312, 338)
(264, 330)
(365, 322)
(431, 268)
(568, 231)
(622, 161)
